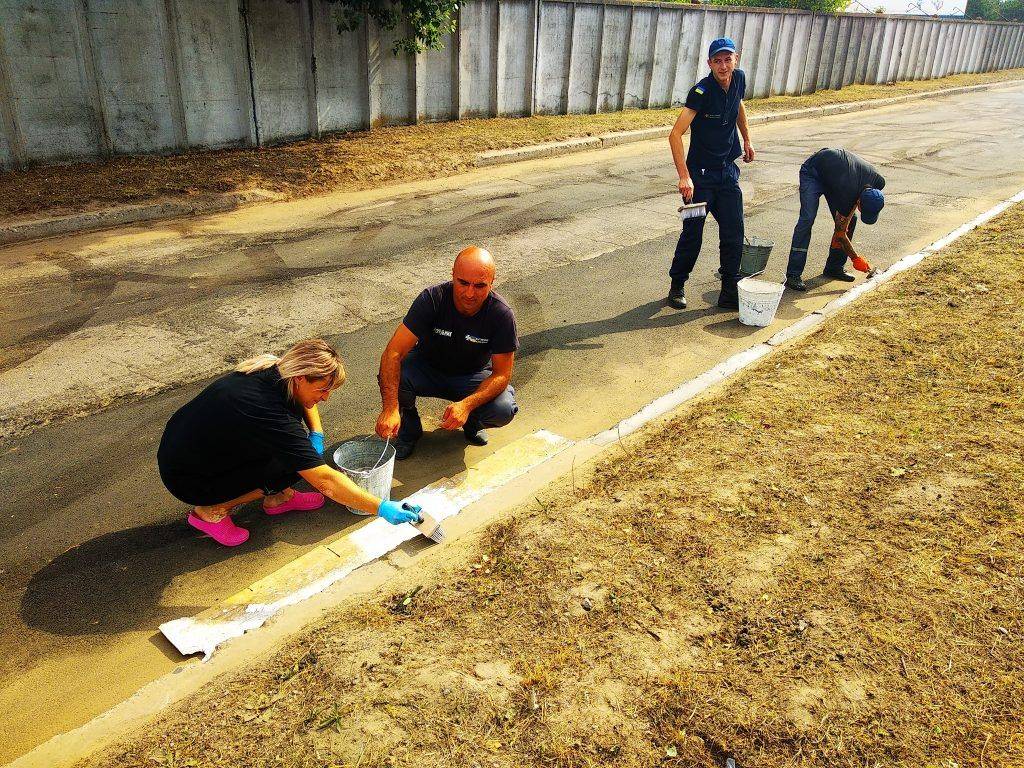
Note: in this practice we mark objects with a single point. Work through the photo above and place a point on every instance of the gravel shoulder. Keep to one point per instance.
(820, 564)
(361, 160)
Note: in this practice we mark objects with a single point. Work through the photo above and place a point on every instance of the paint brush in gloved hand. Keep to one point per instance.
(841, 240)
(427, 525)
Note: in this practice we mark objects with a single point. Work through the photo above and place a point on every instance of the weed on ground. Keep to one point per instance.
(363, 160)
(822, 564)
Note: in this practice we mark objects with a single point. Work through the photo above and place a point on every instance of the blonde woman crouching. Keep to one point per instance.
(244, 438)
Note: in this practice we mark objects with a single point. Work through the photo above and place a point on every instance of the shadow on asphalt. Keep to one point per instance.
(653, 314)
(115, 582)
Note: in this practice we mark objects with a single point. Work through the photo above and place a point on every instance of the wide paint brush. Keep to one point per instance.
(427, 525)
(693, 211)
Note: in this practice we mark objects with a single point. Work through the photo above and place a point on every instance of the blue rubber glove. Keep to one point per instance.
(317, 440)
(396, 513)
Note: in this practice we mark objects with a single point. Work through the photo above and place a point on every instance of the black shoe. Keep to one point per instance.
(475, 437)
(796, 284)
(728, 300)
(408, 434)
(404, 450)
(676, 297)
(843, 275)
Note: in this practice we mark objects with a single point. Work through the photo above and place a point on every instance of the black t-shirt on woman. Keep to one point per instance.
(239, 420)
(457, 344)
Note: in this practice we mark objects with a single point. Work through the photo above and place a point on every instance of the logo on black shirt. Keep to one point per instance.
(443, 332)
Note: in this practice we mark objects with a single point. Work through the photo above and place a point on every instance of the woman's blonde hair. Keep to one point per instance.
(312, 358)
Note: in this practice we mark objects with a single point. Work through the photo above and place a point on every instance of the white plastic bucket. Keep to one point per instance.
(370, 463)
(759, 299)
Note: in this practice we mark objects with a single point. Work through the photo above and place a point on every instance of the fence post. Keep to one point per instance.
(8, 118)
(92, 84)
(312, 90)
(172, 73)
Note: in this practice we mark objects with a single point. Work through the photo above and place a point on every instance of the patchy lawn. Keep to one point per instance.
(355, 161)
(822, 564)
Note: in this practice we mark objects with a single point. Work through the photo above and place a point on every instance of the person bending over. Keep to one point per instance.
(849, 184)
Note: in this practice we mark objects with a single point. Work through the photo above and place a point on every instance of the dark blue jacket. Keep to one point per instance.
(714, 140)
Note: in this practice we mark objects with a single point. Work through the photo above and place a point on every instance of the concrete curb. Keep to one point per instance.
(35, 229)
(153, 698)
(554, 148)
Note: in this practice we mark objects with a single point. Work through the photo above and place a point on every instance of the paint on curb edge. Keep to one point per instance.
(318, 569)
(44, 754)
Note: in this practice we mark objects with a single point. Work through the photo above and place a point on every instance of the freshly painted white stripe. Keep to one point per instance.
(203, 633)
(799, 328)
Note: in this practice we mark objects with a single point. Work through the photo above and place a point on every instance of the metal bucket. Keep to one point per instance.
(370, 463)
(756, 251)
(758, 301)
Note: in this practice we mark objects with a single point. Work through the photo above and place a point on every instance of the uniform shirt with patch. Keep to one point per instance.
(240, 419)
(844, 176)
(456, 344)
(714, 140)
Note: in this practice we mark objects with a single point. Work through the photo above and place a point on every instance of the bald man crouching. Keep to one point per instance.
(457, 342)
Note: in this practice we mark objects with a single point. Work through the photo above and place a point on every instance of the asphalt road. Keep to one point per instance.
(94, 553)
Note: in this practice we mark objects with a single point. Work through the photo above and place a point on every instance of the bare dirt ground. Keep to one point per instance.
(821, 564)
(362, 160)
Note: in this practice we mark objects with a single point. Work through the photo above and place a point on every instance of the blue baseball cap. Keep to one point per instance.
(721, 44)
(871, 203)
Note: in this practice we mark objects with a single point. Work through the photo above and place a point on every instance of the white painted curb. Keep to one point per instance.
(43, 754)
(802, 327)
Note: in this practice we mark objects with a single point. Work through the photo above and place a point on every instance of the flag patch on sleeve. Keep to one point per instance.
(699, 89)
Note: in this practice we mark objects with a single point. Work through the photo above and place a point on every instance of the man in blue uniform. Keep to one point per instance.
(708, 172)
(849, 184)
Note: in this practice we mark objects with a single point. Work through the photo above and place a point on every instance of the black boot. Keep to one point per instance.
(729, 298)
(842, 274)
(408, 434)
(474, 435)
(796, 283)
(676, 296)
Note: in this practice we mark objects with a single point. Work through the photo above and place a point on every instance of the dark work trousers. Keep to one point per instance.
(811, 191)
(720, 189)
(420, 379)
(204, 491)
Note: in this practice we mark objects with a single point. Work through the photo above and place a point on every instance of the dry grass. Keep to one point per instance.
(821, 565)
(355, 161)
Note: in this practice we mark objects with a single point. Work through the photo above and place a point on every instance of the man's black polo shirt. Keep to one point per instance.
(714, 141)
(454, 343)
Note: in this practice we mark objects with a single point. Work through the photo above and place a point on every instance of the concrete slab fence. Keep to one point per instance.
(83, 79)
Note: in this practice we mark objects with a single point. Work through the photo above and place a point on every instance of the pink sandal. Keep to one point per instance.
(302, 501)
(224, 531)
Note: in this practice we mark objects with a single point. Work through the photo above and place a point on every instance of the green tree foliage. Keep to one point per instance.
(428, 20)
(819, 6)
(994, 10)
